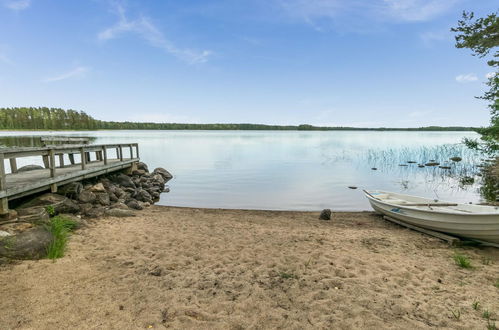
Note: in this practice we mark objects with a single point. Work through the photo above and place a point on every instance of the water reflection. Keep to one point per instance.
(299, 170)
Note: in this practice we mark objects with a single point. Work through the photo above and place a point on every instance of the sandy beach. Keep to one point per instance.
(186, 268)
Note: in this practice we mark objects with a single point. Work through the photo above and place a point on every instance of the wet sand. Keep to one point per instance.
(186, 268)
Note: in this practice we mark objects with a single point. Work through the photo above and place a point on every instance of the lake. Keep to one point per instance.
(298, 170)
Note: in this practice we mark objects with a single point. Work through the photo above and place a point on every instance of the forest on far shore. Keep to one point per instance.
(43, 118)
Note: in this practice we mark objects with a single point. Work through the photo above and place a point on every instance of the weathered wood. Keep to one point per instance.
(121, 153)
(61, 160)
(13, 165)
(71, 158)
(131, 152)
(52, 163)
(104, 155)
(452, 240)
(4, 202)
(83, 158)
(65, 139)
(46, 162)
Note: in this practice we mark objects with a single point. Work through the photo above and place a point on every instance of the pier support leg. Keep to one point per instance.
(53, 188)
(4, 202)
(13, 165)
(46, 161)
(71, 159)
(61, 160)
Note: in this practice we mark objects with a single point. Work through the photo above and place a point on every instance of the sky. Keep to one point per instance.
(362, 63)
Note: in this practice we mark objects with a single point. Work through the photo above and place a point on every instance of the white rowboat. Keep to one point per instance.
(477, 222)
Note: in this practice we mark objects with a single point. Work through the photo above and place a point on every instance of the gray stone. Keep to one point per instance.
(71, 190)
(67, 206)
(133, 204)
(164, 173)
(325, 214)
(143, 196)
(120, 205)
(4, 234)
(119, 213)
(85, 207)
(30, 244)
(139, 172)
(30, 168)
(86, 196)
(45, 200)
(124, 181)
(95, 212)
(102, 198)
(142, 166)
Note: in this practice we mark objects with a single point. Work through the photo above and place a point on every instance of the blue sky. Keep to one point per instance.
(364, 63)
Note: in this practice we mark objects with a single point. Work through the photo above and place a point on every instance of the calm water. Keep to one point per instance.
(297, 170)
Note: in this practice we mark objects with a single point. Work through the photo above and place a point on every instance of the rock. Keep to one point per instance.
(9, 216)
(86, 196)
(411, 162)
(99, 187)
(445, 167)
(325, 214)
(432, 164)
(120, 205)
(71, 190)
(142, 166)
(352, 187)
(4, 234)
(143, 196)
(119, 213)
(67, 206)
(102, 198)
(48, 199)
(30, 168)
(139, 172)
(133, 204)
(36, 214)
(374, 168)
(403, 165)
(30, 244)
(112, 197)
(158, 178)
(167, 189)
(456, 159)
(119, 192)
(164, 173)
(84, 208)
(124, 181)
(156, 271)
(95, 212)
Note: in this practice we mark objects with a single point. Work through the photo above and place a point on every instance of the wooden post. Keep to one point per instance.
(131, 151)
(13, 165)
(98, 155)
(61, 160)
(52, 163)
(46, 163)
(137, 149)
(87, 157)
(121, 153)
(104, 154)
(71, 158)
(4, 202)
(83, 158)
(117, 153)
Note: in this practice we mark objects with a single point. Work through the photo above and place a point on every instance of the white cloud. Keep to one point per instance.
(78, 72)
(466, 78)
(17, 4)
(144, 27)
(417, 10)
(432, 36)
(490, 75)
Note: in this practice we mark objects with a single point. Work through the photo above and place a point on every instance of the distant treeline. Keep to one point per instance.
(43, 118)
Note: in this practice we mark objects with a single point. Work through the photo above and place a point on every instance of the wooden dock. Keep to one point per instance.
(62, 165)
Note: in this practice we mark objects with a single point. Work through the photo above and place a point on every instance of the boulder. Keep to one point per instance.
(164, 173)
(95, 212)
(325, 214)
(45, 200)
(102, 198)
(142, 166)
(133, 204)
(30, 168)
(86, 196)
(139, 172)
(99, 187)
(4, 234)
(9, 216)
(120, 205)
(124, 181)
(143, 196)
(112, 197)
(119, 212)
(158, 179)
(30, 244)
(67, 206)
(36, 214)
(71, 190)
(85, 207)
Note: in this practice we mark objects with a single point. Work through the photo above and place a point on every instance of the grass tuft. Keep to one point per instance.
(462, 261)
(288, 275)
(486, 314)
(491, 325)
(60, 227)
(496, 284)
(476, 305)
(50, 210)
(456, 314)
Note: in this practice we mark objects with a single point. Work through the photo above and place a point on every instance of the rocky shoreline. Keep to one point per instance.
(23, 233)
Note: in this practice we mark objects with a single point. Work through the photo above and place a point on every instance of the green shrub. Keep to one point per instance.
(462, 261)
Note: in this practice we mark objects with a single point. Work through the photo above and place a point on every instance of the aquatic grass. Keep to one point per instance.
(462, 261)
(60, 227)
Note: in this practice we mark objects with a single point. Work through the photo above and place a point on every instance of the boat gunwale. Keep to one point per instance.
(415, 208)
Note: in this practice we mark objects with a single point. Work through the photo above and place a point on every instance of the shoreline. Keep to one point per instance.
(179, 267)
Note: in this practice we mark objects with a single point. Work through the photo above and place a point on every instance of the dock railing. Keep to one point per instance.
(17, 184)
